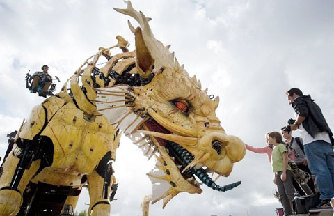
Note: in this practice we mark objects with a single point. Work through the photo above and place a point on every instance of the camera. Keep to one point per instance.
(291, 121)
(288, 128)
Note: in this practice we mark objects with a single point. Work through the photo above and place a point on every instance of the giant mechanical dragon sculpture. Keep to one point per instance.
(70, 140)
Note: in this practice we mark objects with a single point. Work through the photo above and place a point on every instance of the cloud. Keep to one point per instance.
(247, 52)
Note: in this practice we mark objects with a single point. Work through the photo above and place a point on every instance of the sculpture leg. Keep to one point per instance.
(10, 200)
(69, 205)
(99, 182)
(146, 205)
(25, 160)
(18, 170)
(30, 154)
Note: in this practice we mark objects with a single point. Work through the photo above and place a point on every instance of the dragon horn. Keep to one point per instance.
(161, 55)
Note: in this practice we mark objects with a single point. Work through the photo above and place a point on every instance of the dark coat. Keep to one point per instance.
(314, 119)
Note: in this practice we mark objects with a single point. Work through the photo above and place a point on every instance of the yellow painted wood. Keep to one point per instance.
(64, 95)
(72, 201)
(58, 176)
(87, 82)
(80, 98)
(123, 65)
(106, 69)
(83, 142)
(9, 167)
(34, 124)
(99, 81)
(53, 104)
(10, 202)
(95, 189)
(28, 174)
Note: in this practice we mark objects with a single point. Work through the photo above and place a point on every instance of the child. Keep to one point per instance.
(282, 171)
(302, 183)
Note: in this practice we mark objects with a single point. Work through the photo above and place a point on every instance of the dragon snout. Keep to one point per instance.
(225, 144)
(222, 151)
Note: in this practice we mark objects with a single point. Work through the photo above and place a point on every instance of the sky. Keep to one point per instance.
(247, 52)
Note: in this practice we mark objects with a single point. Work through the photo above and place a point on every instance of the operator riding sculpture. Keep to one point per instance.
(70, 140)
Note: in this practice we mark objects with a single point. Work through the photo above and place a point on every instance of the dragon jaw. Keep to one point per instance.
(176, 167)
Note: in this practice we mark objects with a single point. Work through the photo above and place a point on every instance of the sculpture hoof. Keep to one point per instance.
(10, 202)
(102, 209)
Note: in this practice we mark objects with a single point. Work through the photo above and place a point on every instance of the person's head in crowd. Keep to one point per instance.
(274, 138)
(45, 68)
(267, 140)
(286, 133)
(293, 93)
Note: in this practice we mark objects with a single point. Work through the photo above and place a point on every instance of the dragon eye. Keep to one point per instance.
(181, 105)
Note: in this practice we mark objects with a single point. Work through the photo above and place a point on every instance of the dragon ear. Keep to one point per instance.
(143, 55)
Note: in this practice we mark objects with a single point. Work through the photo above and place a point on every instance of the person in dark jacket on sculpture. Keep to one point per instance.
(318, 141)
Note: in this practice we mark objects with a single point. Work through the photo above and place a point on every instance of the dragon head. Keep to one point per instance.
(170, 117)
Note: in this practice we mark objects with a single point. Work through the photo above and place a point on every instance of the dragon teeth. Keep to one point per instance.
(149, 152)
(157, 172)
(191, 179)
(209, 171)
(159, 186)
(153, 153)
(198, 166)
(197, 183)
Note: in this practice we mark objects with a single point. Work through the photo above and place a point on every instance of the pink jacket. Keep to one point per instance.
(265, 150)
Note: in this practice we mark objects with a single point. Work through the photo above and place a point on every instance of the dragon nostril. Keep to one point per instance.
(217, 145)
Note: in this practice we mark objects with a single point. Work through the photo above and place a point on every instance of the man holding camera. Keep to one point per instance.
(318, 141)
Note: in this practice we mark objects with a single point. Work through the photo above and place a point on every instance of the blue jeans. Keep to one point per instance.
(320, 158)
